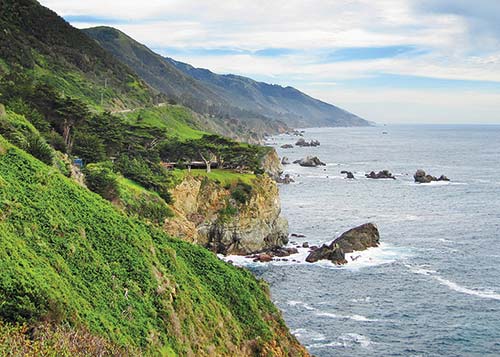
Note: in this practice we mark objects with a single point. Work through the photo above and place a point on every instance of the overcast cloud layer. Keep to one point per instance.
(386, 60)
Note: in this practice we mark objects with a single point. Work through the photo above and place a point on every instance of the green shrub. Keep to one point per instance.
(242, 192)
(20, 132)
(38, 147)
(101, 179)
(150, 175)
(89, 147)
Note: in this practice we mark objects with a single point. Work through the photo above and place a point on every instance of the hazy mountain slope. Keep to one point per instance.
(286, 103)
(222, 95)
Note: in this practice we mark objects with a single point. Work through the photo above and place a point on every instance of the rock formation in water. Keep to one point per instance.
(385, 174)
(356, 239)
(287, 179)
(303, 143)
(421, 177)
(310, 161)
(349, 174)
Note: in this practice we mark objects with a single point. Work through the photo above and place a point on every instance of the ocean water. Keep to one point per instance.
(433, 286)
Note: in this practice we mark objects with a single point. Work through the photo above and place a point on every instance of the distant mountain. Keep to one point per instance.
(222, 95)
(285, 103)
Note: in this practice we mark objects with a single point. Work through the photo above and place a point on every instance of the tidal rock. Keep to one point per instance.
(385, 174)
(295, 133)
(287, 179)
(356, 239)
(285, 160)
(287, 146)
(295, 235)
(421, 177)
(310, 161)
(349, 174)
(303, 143)
(263, 258)
(305, 245)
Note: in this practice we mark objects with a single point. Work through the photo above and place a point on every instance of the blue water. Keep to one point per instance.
(433, 287)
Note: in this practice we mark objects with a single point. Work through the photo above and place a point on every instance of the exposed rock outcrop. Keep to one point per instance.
(206, 214)
(285, 161)
(287, 146)
(421, 177)
(303, 143)
(385, 174)
(271, 164)
(310, 161)
(356, 239)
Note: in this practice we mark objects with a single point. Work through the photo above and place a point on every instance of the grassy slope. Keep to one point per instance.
(68, 255)
(179, 121)
(225, 177)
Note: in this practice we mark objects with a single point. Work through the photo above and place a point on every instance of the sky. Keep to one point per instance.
(389, 61)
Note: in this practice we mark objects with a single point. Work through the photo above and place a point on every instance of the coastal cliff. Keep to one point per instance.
(237, 218)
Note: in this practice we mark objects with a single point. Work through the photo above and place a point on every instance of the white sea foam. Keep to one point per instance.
(445, 240)
(325, 345)
(384, 254)
(365, 299)
(306, 334)
(354, 317)
(350, 339)
(485, 294)
(461, 289)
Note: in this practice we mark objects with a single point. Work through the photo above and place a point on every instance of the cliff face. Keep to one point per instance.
(271, 164)
(206, 213)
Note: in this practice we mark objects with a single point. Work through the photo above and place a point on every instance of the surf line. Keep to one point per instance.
(454, 286)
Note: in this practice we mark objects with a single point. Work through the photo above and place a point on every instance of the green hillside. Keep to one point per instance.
(39, 46)
(68, 257)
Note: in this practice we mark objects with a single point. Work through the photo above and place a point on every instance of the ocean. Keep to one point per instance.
(432, 288)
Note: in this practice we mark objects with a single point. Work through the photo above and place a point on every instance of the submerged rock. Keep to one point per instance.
(310, 161)
(421, 177)
(385, 174)
(356, 239)
(287, 146)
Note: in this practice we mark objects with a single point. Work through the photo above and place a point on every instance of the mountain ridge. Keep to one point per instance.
(223, 95)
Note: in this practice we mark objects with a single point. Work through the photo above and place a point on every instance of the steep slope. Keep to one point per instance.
(69, 259)
(221, 95)
(37, 43)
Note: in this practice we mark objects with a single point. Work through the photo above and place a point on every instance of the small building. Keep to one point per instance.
(168, 165)
(78, 162)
